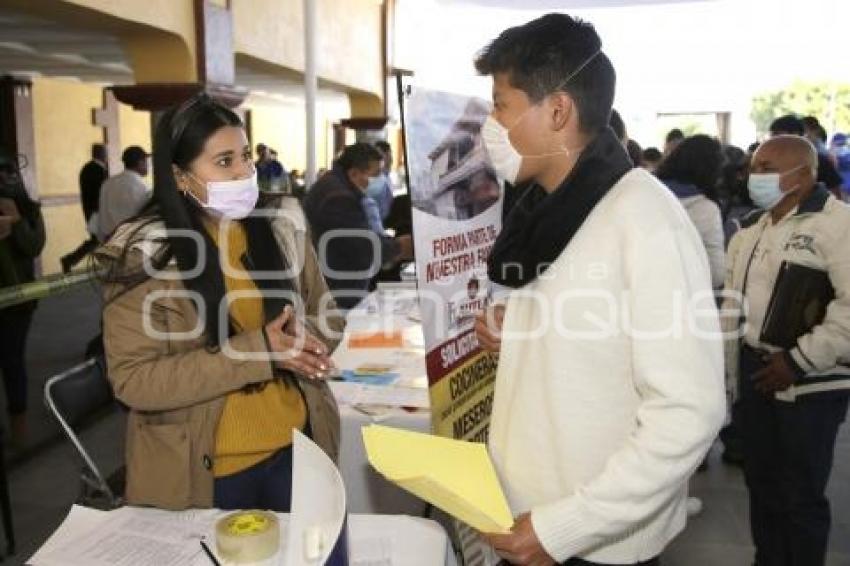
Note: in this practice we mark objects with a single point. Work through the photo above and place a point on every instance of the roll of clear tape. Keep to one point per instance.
(247, 536)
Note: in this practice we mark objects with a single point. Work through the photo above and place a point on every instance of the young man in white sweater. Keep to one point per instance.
(610, 381)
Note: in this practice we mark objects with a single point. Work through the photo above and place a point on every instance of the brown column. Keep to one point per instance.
(214, 37)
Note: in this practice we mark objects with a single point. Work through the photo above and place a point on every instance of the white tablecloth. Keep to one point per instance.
(373, 539)
(413, 541)
(366, 491)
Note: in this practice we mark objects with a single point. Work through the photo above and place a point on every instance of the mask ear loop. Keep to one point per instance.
(190, 193)
(795, 187)
(563, 150)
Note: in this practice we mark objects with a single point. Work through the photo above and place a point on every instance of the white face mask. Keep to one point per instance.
(503, 156)
(233, 200)
(375, 188)
(765, 189)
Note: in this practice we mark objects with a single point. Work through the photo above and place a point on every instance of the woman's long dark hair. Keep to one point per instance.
(697, 160)
(180, 137)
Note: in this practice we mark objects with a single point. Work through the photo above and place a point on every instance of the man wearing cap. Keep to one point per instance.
(123, 196)
(793, 391)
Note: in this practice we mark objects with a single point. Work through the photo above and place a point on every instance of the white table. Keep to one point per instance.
(366, 491)
(139, 533)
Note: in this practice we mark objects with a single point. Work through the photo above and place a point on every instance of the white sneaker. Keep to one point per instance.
(694, 506)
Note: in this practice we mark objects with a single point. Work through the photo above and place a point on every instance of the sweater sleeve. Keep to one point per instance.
(822, 347)
(678, 375)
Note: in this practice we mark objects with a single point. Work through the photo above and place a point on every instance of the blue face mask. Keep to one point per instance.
(765, 189)
(375, 188)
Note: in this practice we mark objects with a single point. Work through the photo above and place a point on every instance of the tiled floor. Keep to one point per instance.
(44, 484)
(720, 534)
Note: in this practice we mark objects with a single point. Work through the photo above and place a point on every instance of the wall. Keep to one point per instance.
(135, 129)
(281, 125)
(63, 137)
(161, 45)
(158, 35)
(349, 39)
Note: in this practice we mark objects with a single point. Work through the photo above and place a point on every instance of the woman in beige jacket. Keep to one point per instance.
(217, 327)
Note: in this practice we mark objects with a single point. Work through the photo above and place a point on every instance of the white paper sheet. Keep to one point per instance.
(361, 394)
(318, 505)
(376, 540)
(128, 537)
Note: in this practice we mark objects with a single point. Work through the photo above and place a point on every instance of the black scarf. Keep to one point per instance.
(541, 225)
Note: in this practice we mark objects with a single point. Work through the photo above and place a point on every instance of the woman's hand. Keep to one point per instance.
(296, 349)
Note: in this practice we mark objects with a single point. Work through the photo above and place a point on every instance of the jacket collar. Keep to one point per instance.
(815, 202)
(149, 238)
(682, 190)
(343, 177)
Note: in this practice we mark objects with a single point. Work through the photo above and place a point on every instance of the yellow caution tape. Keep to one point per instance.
(44, 287)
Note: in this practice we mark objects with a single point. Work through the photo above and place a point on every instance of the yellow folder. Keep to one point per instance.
(453, 475)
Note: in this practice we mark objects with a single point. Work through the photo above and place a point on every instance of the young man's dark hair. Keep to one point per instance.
(543, 57)
(821, 133)
(617, 124)
(359, 156)
(674, 135)
(98, 151)
(788, 124)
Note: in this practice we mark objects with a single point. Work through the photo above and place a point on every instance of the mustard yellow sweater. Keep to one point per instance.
(257, 423)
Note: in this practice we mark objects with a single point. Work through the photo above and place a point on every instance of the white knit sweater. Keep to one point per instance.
(610, 382)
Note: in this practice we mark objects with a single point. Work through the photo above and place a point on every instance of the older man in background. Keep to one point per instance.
(792, 369)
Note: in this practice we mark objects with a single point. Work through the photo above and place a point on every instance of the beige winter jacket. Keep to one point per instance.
(175, 387)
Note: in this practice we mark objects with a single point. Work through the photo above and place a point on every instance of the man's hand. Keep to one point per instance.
(296, 349)
(488, 327)
(778, 375)
(521, 546)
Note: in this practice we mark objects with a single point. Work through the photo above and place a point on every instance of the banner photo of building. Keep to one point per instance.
(457, 214)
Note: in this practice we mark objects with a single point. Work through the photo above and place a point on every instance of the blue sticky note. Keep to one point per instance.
(369, 379)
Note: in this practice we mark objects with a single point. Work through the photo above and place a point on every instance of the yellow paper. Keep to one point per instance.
(453, 475)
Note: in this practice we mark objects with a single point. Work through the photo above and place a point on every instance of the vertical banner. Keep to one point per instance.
(457, 214)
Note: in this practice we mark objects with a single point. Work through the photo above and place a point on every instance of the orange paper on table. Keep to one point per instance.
(390, 339)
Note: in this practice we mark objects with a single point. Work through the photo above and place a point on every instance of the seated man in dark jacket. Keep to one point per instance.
(349, 252)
